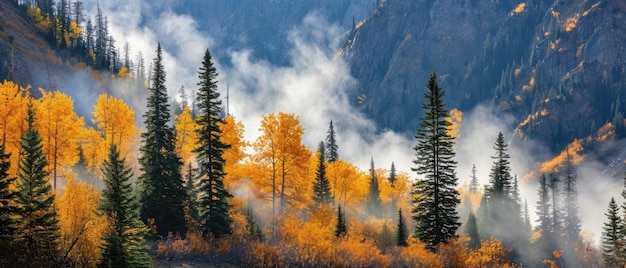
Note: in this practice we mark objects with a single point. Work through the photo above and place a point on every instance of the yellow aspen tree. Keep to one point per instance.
(232, 134)
(349, 185)
(280, 147)
(60, 129)
(186, 136)
(13, 110)
(82, 227)
(115, 124)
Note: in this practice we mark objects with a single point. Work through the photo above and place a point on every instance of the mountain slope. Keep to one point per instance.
(550, 63)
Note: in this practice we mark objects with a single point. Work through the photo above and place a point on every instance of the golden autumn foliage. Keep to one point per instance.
(60, 129)
(281, 153)
(455, 119)
(186, 136)
(232, 134)
(572, 151)
(115, 124)
(13, 107)
(349, 185)
(81, 227)
(520, 8)
(490, 254)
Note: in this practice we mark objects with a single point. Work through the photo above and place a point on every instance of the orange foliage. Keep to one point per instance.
(281, 154)
(347, 183)
(606, 132)
(81, 227)
(490, 254)
(186, 136)
(455, 119)
(115, 123)
(60, 130)
(232, 134)
(573, 149)
(416, 255)
(13, 107)
(519, 8)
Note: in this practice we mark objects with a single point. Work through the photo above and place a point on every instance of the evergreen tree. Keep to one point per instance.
(8, 210)
(502, 197)
(331, 145)
(321, 186)
(613, 237)
(392, 181)
(527, 224)
(544, 244)
(392, 175)
(373, 198)
(214, 203)
(473, 187)
(38, 225)
(163, 194)
(340, 228)
(471, 229)
(123, 242)
(436, 197)
(571, 220)
(556, 210)
(253, 227)
(192, 195)
(401, 232)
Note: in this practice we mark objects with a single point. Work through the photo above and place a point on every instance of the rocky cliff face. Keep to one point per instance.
(263, 26)
(552, 63)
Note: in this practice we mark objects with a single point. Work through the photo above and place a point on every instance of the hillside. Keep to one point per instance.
(553, 64)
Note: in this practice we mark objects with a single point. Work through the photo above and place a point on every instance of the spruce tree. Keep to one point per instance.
(373, 197)
(123, 242)
(544, 245)
(340, 228)
(502, 200)
(332, 153)
(322, 195)
(436, 197)
(163, 194)
(8, 210)
(571, 219)
(401, 232)
(392, 181)
(473, 187)
(38, 225)
(192, 195)
(613, 237)
(471, 229)
(214, 202)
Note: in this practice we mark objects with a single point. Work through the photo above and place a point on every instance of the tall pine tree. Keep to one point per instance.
(214, 206)
(544, 245)
(436, 197)
(502, 200)
(401, 232)
(123, 242)
(571, 219)
(613, 237)
(8, 210)
(332, 149)
(373, 198)
(473, 186)
(322, 195)
(163, 194)
(340, 228)
(39, 224)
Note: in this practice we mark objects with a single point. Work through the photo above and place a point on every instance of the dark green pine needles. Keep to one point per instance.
(123, 243)
(214, 207)
(436, 197)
